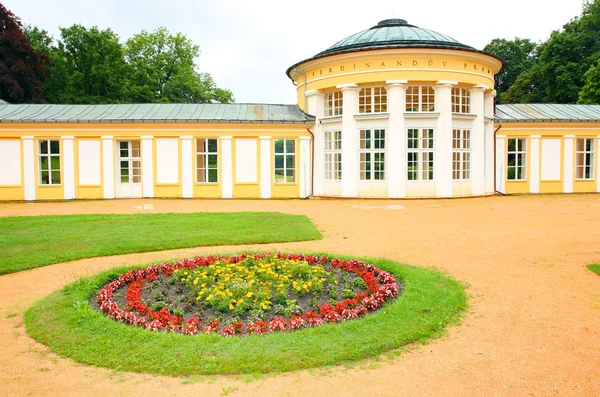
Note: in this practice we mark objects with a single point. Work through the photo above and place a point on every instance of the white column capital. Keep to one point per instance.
(27, 138)
(67, 138)
(479, 88)
(226, 138)
(305, 138)
(310, 93)
(492, 93)
(264, 138)
(535, 136)
(107, 138)
(500, 136)
(569, 136)
(186, 138)
(146, 137)
(396, 83)
(445, 83)
(348, 87)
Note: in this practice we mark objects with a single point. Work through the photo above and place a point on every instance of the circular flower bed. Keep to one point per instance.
(246, 294)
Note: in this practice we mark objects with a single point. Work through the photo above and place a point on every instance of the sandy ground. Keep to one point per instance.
(532, 327)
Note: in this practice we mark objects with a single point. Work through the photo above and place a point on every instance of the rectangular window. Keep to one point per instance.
(285, 161)
(333, 104)
(420, 99)
(584, 158)
(333, 155)
(420, 154)
(516, 169)
(207, 160)
(49, 162)
(461, 154)
(372, 100)
(461, 100)
(372, 155)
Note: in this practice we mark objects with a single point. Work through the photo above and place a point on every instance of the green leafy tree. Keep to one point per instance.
(22, 68)
(590, 93)
(519, 55)
(162, 69)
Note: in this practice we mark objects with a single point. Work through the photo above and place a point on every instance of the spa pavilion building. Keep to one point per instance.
(394, 111)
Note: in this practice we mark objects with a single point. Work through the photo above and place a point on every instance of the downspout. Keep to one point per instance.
(495, 159)
(312, 162)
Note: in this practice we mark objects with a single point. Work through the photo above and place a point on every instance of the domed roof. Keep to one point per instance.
(393, 33)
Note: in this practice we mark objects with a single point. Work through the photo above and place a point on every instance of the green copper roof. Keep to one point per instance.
(547, 112)
(205, 112)
(396, 33)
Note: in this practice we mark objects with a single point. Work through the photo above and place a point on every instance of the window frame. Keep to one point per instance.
(461, 100)
(206, 153)
(333, 155)
(369, 104)
(517, 153)
(586, 164)
(373, 148)
(420, 95)
(285, 154)
(49, 155)
(334, 104)
(417, 149)
(461, 154)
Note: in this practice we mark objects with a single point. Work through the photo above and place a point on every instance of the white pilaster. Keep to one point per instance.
(226, 167)
(501, 163)
(147, 167)
(349, 140)
(316, 105)
(68, 167)
(108, 166)
(534, 165)
(187, 167)
(305, 174)
(489, 142)
(443, 139)
(28, 168)
(265, 167)
(478, 140)
(396, 138)
(569, 163)
(598, 162)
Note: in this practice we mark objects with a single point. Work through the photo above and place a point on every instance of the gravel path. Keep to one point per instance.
(532, 326)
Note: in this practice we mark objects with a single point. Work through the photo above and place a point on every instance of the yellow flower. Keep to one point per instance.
(249, 294)
(196, 280)
(230, 306)
(209, 297)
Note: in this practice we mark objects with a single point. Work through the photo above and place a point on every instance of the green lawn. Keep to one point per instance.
(595, 268)
(66, 322)
(34, 241)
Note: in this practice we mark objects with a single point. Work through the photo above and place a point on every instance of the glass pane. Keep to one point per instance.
(580, 143)
(511, 160)
(136, 171)
(124, 179)
(579, 159)
(55, 163)
(136, 164)
(278, 176)
(137, 179)
(212, 145)
(511, 145)
(579, 173)
(125, 164)
(279, 146)
(54, 147)
(44, 163)
(213, 176)
(45, 180)
(290, 176)
(43, 147)
(124, 154)
(125, 172)
(123, 145)
(290, 145)
(212, 161)
(56, 177)
(510, 173)
(201, 161)
(278, 161)
(289, 161)
(135, 145)
(200, 176)
(200, 145)
(135, 153)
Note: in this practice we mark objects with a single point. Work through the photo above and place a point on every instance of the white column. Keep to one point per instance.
(443, 139)
(316, 107)
(265, 167)
(500, 163)
(28, 168)
(226, 167)
(147, 167)
(478, 140)
(534, 164)
(187, 167)
(68, 167)
(569, 163)
(305, 174)
(598, 162)
(108, 166)
(349, 140)
(489, 142)
(396, 138)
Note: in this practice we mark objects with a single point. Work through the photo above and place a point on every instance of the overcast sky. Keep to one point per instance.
(248, 45)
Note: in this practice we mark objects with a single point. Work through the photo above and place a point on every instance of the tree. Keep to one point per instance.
(519, 55)
(590, 93)
(162, 69)
(22, 68)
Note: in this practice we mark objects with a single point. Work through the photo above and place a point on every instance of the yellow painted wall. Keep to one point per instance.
(88, 191)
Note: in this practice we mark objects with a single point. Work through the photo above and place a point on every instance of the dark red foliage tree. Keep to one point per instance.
(22, 69)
